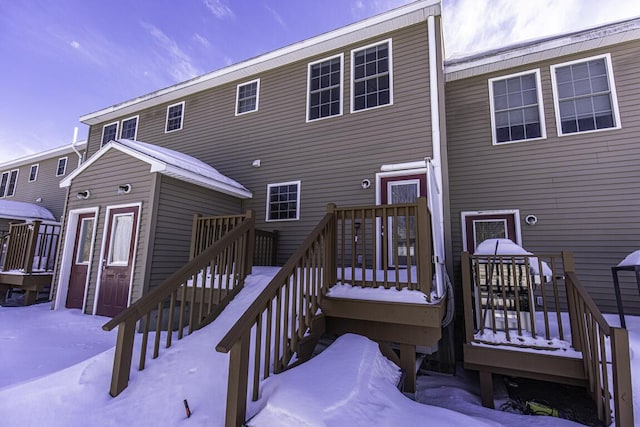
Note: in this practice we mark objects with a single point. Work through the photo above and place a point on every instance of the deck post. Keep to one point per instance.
(194, 236)
(251, 242)
(31, 246)
(467, 302)
(122, 357)
(330, 276)
(622, 390)
(408, 363)
(486, 388)
(569, 266)
(237, 387)
(425, 251)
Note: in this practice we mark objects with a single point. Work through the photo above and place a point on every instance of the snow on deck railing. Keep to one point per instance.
(30, 247)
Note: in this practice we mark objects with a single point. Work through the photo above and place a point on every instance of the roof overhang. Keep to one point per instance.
(162, 167)
(43, 155)
(542, 49)
(395, 19)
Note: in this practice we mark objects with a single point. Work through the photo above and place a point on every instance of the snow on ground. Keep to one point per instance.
(55, 369)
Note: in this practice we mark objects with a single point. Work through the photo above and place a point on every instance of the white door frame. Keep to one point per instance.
(68, 254)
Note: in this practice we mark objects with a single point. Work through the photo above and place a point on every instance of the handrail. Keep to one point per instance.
(210, 279)
(31, 246)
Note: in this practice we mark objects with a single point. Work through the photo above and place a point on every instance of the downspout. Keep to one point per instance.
(435, 133)
(73, 145)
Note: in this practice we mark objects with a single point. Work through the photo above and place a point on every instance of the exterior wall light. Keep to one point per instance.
(531, 219)
(83, 195)
(124, 189)
(366, 183)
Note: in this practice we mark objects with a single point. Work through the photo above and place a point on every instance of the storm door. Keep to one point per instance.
(81, 257)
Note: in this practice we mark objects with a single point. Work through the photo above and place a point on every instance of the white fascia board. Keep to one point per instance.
(188, 176)
(43, 155)
(401, 17)
(544, 49)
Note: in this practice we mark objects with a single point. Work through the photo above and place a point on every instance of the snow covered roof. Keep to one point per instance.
(11, 209)
(171, 163)
(43, 155)
(542, 49)
(631, 260)
(400, 17)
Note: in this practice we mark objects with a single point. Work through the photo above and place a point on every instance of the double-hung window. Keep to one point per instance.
(8, 182)
(516, 107)
(324, 88)
(371, 76)
(283, 201)
(175, 115)
(247, 96)
(585, 95)
(33, 172)
(62, 166)
(109, 133)
(129, 128)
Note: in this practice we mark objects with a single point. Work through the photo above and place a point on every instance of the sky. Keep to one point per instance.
(63, 59)
(55, 368)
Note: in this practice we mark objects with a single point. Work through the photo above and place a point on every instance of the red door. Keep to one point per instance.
(80, 264)
(118, 259)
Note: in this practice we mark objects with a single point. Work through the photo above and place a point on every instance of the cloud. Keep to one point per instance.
(218, 9)
(179, 62)
(201, 40)
(74, 44)
(361, 9)
(276, 16)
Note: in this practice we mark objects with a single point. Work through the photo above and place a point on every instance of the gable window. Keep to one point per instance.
(516, 107)
(33, 173)
(129, 128)
(109, 133)
(584, 95)
(247, 97)
(8, 182)
(62, 166)
(371, 81)
(283, 201)
(175, 114)
(324, 88)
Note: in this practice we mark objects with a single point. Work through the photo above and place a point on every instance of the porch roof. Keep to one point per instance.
(11, 209)
(171, 163)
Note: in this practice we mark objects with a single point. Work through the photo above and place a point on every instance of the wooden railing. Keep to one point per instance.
(30, 247)
(266, 249)
(538, 302)
(194, 296)
(284, 319)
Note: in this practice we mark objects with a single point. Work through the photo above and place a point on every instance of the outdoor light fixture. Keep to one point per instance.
(366, 183)
(256, 163)
(83, 195)
(531, 219)
(39, 200)
(124, 189)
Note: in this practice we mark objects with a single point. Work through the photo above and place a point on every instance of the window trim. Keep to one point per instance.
(514, 212)
(257, 82)
(351, 79)
(166, 121)
(281, 184)
(66, 162)
(543, 127)
(35, 178)
(5, 192)
(102, 141)
(309, 65)
(135, 134)
(612, 91)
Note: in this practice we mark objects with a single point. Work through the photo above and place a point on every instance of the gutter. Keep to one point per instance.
(73, 145)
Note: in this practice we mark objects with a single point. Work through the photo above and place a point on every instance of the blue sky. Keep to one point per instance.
(67, 58)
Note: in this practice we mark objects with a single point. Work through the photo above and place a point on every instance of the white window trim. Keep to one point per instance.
(135, 134)
(35, 178)
(102, 141)
(4, 191)
(6, 188)
(280, 184)
(257, 82)
(543, 127)
(66, 163)
(612, 88)
(309, 65)
(514, 212)
(166, 120)
(353, 51)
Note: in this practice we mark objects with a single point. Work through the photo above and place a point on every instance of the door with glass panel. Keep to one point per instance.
(118, 260)
(81, 257)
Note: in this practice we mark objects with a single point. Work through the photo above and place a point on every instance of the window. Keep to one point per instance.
(8, 182)
(33, 173)
(247, 97)
(584, 95)
(283, 201)
(129, 128)
(371, 71)
(516, 107)
(324, 88)
(175, 113)
(109, 133)
(480, 226)
(62, 166)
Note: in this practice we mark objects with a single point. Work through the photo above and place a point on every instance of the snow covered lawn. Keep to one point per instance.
(55, 369)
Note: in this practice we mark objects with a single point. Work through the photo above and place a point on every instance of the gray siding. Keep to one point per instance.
(329, 156)
(176, 205)
(582, 187)
(102, 179)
